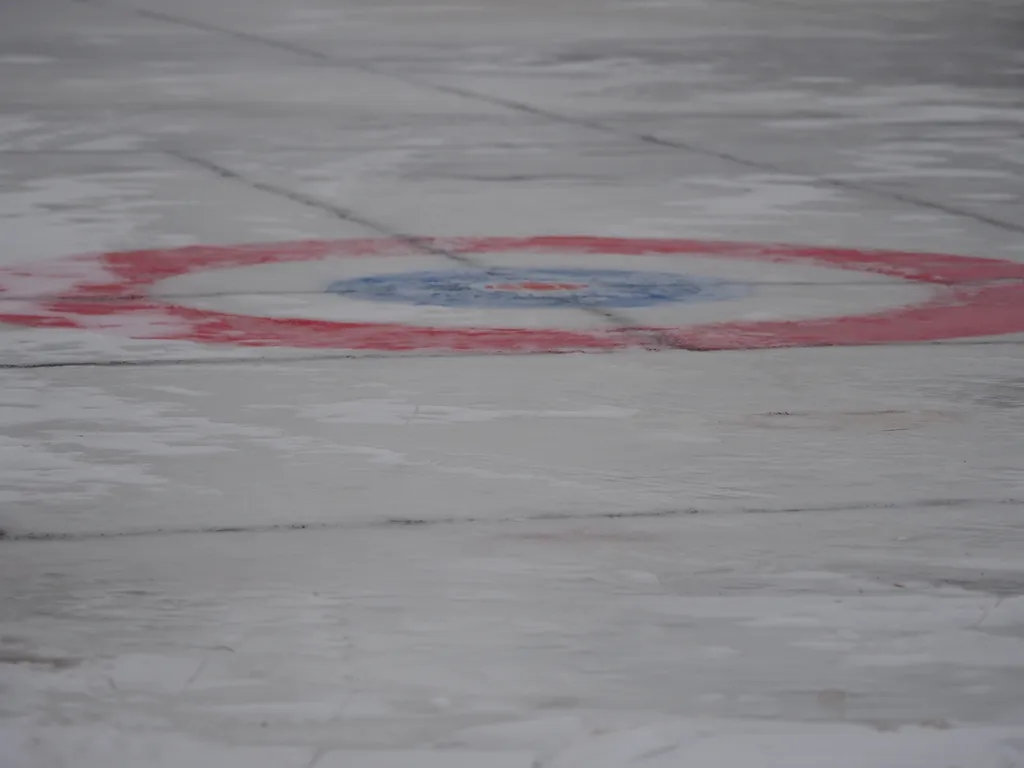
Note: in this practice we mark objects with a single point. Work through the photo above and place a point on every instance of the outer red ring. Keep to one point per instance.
(979, 297)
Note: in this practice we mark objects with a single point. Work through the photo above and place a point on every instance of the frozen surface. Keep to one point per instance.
(223, 556)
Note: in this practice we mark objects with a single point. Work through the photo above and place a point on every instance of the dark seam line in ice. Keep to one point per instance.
(696, 149)
(157, 150)
(621, 322)
(253, 109)
(579, 121)
(7, 536)
(416, 354)
(308, 201)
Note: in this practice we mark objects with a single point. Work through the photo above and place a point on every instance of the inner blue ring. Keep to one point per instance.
(502, 288)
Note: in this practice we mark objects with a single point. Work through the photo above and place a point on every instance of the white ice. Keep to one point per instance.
(217, 556)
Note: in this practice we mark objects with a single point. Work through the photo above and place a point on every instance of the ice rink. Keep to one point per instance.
(512, 384)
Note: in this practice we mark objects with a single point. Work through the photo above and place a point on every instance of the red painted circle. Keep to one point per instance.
(975, 297)
(531, 285)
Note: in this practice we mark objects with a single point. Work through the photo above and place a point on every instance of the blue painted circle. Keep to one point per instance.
(538, 288)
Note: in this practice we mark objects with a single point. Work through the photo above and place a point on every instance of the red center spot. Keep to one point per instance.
(530, 285)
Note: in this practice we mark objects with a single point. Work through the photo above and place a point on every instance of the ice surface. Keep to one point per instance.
(223, 556)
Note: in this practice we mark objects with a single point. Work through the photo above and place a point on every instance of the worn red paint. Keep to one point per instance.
(530, 285)
(976, 297)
